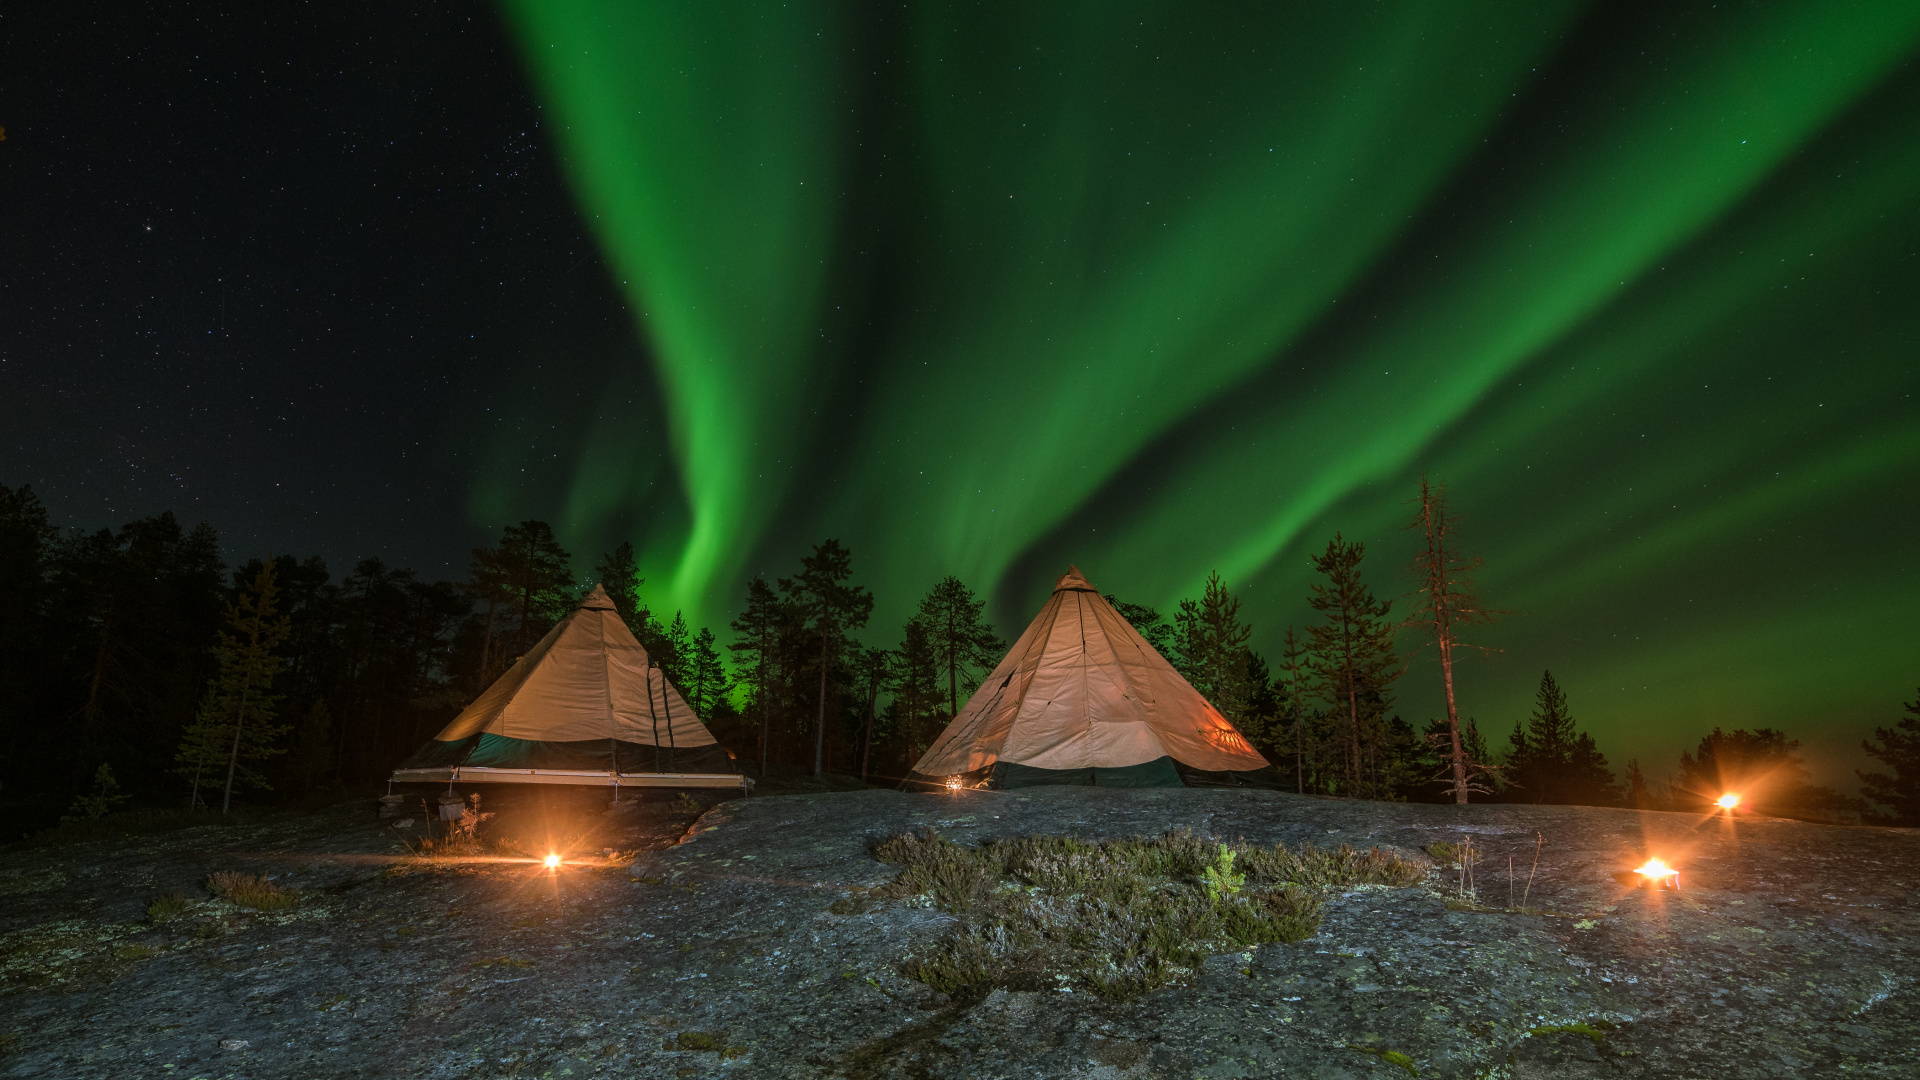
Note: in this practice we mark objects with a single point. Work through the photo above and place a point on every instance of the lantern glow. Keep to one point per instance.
(552, 862)
(1659, 875)
(953, 784)
(1727, 801)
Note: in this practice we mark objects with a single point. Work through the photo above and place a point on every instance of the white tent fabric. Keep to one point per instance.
(1082, 689)
(589, 678)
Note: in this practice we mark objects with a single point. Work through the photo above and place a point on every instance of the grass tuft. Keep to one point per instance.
(1118, 918)
(250, 891)
(168, 907)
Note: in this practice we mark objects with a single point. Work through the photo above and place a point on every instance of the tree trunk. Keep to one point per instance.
(763, 713)
(866, 737)
(233, 760)
(820, 723)
(1458, 753)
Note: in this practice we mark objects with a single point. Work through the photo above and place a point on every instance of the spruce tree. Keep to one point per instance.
(1353, 660)
(619, 574)
(1550, 761)
(1212, 650)
(1293, 689)
(1899, 750)
(1639, 792)
(757, 634)
(957, 629)
(235, 725)
(916, 689)
(707, 683)
(829, 607)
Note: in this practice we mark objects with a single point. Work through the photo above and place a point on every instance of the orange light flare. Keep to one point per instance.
(953, 785)
(1727, 802)
(1659, 875)
(551, 862)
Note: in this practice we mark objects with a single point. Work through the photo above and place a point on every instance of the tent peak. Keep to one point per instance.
(1073, 579)
(598, 600)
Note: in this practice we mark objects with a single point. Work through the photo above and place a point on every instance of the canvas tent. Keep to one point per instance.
(1082, 698)
(587, 705)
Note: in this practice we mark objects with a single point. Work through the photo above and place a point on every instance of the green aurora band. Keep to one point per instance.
(1164, 289)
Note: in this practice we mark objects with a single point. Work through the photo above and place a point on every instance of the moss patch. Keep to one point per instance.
(1118, 918)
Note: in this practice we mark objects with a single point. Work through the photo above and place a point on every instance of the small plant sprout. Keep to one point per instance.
(1658, 874)
(1727, 802)
(1219, 878)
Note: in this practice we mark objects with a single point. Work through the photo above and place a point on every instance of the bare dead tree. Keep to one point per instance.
(1446, 600)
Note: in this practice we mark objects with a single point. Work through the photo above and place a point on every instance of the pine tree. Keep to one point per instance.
(104, 799)
(757, 634)
(1551, 761)
(529, 575)
(830, 608)
(1899, 750)
(1446, 602)
(962, 639)
(1212, 650)
(1352, 655)
(1148, 622)
(236, 721)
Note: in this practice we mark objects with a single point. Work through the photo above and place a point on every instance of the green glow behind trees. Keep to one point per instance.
(1167, 291)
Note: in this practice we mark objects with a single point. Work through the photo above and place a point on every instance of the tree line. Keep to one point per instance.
(136, 666)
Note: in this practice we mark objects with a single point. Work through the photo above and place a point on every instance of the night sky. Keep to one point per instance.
(1157, 288)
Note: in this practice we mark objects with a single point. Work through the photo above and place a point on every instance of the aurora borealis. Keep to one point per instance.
(1163, 289)
(1157, 289)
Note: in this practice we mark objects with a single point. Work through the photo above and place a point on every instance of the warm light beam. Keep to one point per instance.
(1728, 802)
(553, 862)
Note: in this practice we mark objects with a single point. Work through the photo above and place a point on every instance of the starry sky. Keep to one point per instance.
(1161, 289)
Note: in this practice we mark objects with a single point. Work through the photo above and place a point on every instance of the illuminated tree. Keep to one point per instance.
(1352, 655)
(236, 725)
(1446, 601)
(963, 642)
(1899, 750)
(829, 608)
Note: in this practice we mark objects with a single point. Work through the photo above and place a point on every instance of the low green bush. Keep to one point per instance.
(1118, 918)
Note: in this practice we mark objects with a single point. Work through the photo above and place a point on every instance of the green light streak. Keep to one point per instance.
(981, 290)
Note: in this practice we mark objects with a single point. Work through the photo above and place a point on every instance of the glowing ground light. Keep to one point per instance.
(553, 862)
(1727, 802)
(953, 784)
(1659, 874)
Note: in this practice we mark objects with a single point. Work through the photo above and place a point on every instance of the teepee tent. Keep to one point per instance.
(1082, 698)
(587, 705)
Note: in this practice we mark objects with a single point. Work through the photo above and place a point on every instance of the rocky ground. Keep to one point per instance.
(741, 942)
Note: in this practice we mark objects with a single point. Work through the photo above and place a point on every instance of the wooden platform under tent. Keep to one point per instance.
(480, 774)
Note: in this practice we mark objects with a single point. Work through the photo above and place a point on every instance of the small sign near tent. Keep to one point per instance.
(586, 705)
(1082, 698)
